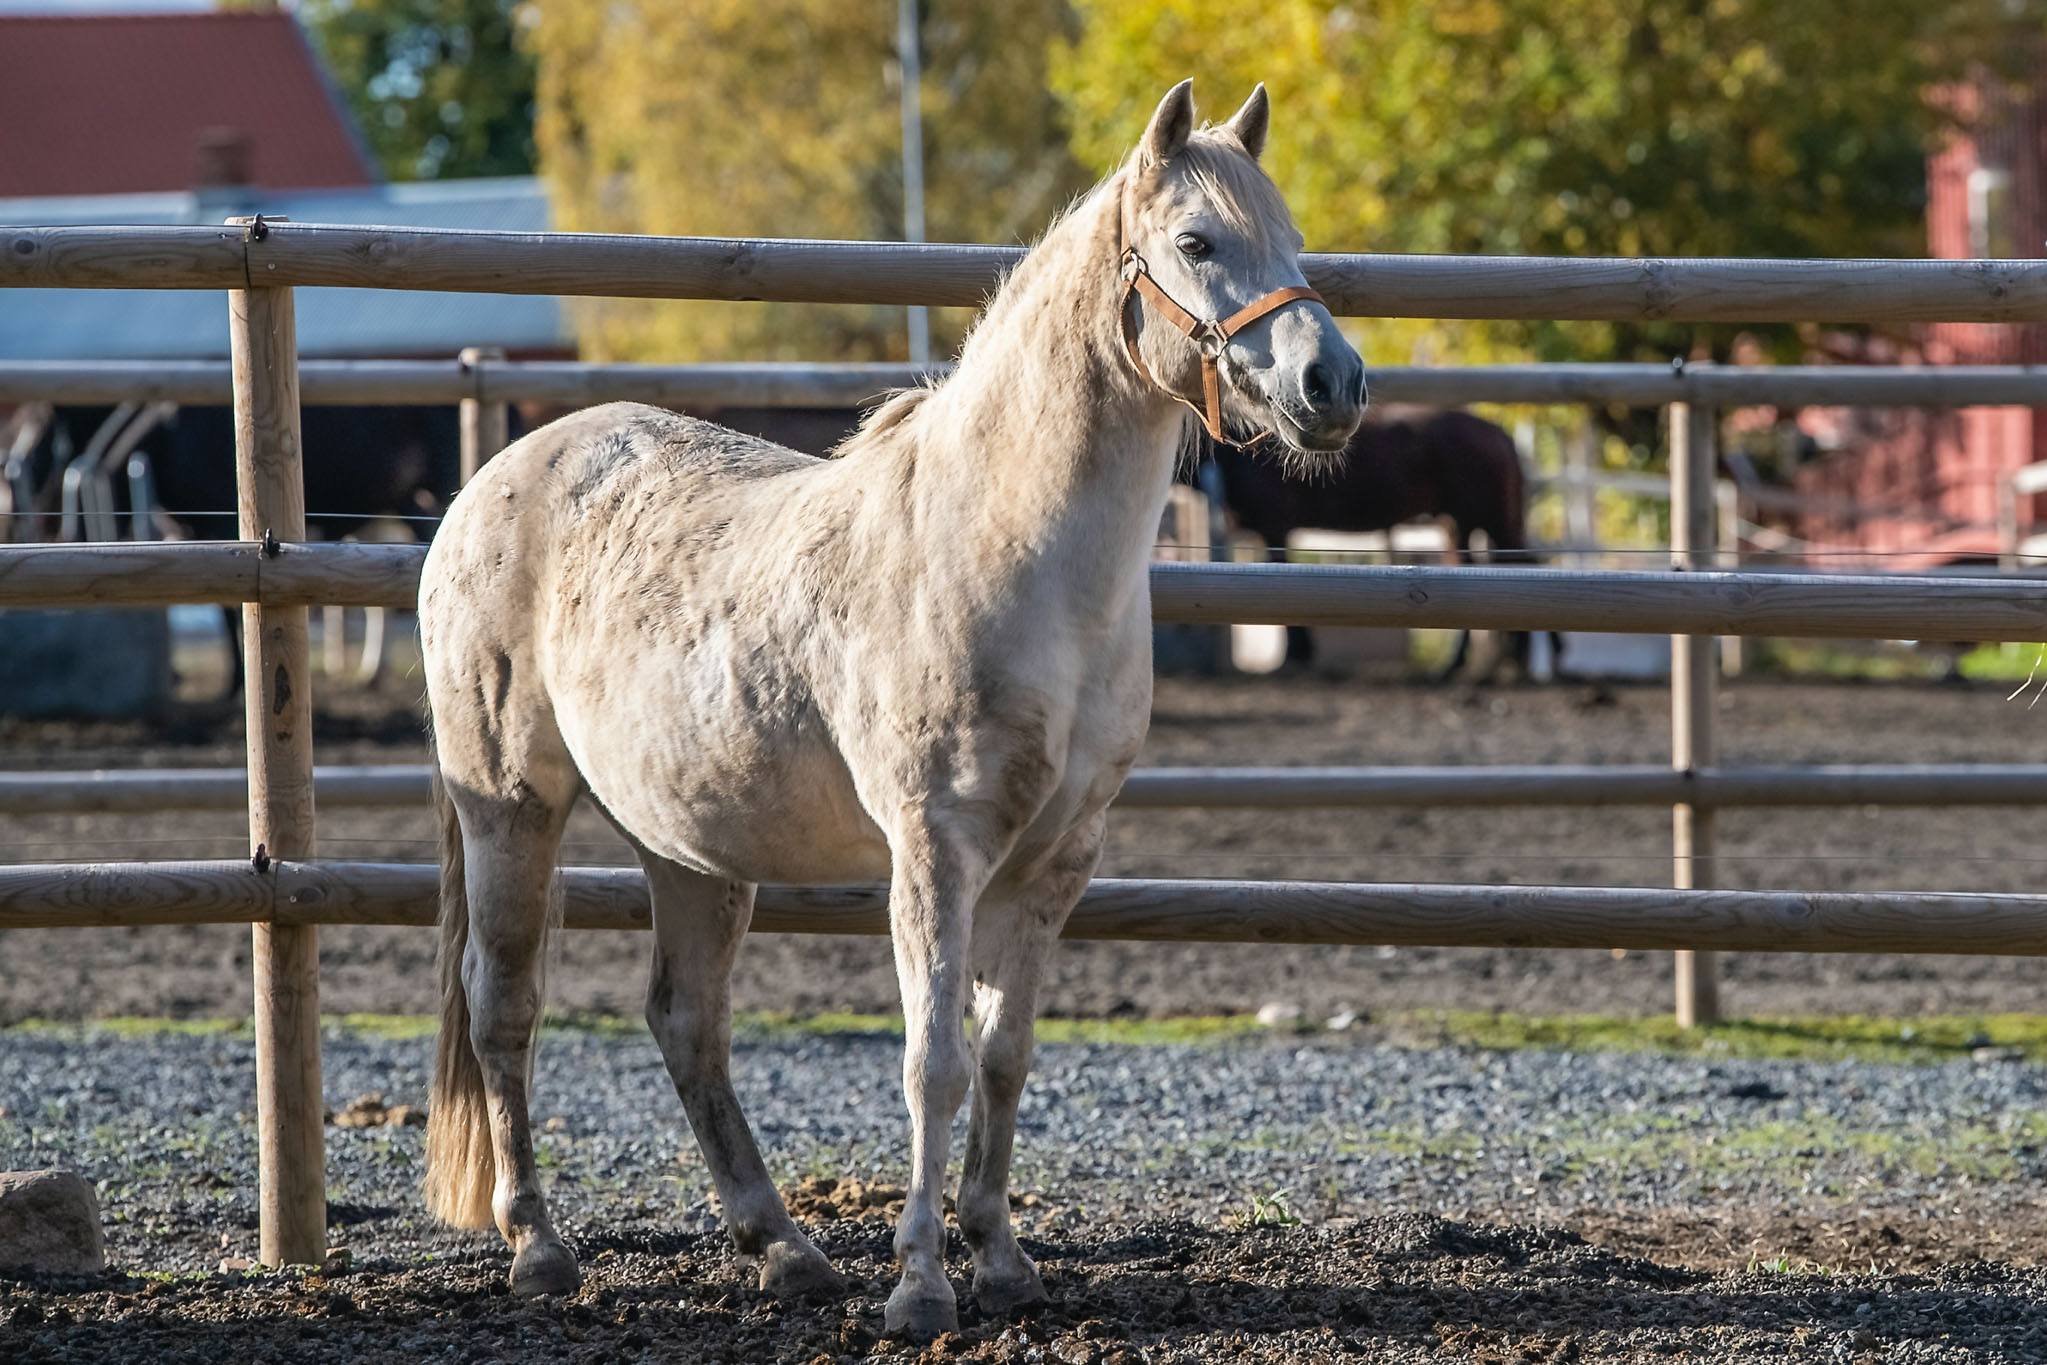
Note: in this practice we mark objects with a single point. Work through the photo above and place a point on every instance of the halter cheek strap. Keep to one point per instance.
(1211, 335)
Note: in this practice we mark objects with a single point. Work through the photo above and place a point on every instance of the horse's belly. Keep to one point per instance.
(735, 805)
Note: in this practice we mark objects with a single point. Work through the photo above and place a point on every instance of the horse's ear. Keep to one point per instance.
(1170, 126)
(1250, 124)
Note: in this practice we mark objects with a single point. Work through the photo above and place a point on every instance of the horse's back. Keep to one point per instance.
(592, 476)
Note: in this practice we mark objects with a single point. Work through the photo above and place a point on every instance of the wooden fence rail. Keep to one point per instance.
(1553, 288)
(398, 785)
(167, 573)
(1420, 915)
(1842, 607)
(573, 383)
(260, 263)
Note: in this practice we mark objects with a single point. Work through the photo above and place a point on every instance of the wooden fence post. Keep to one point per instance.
(271, 503)
(1727, 498)
(486, 427)
(1694, 675)
(1581, 497)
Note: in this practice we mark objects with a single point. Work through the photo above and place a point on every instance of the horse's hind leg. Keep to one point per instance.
(1014, 929)
(699, 922)
(509, 846)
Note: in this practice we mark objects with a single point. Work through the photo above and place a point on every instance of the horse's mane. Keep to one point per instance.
(891, 414)
(1242, 194)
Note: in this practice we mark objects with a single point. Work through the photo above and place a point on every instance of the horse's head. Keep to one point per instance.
(1211, 264)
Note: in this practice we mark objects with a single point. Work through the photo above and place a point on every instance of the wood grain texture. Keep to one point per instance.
(485, 423)
(1426, 915)
(569, 383)
(1956, 784)
(163, 573)
(1944, 386)
(270, 492)
(128, 790)
(1560, 288)
(123, 258)
(403, 785)
(705, 385)
(1834, 606)
(575, 383)
(1694, 691)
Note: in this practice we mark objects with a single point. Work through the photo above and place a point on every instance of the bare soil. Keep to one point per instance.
(1402, 1288)
(201, 971)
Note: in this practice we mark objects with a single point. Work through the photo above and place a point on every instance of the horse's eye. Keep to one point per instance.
(1193, 247)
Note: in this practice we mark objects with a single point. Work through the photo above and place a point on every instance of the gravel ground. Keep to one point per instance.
(203, 971)
(1524, 1205)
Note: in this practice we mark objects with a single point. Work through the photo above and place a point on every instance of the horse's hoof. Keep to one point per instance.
(792, 1270)
(919, 1315)
(545, 1268)
(998, 1296)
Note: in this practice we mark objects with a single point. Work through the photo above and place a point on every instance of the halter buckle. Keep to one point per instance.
(1210, 338)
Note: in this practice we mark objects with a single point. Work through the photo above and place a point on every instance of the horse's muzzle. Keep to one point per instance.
(1332, 400)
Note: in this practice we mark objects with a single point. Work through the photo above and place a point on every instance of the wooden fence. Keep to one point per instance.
(284, 896)
(579, 383)
(384, 786)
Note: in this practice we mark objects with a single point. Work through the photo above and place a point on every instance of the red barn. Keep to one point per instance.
(121, 103)
(1926, 483)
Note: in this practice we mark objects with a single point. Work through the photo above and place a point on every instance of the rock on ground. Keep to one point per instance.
(50, 1222)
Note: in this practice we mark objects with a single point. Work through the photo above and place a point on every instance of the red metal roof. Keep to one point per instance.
(113, 104)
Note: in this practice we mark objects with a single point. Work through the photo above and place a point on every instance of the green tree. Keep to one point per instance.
(1621, 127)
(442, 89)
(780, 118)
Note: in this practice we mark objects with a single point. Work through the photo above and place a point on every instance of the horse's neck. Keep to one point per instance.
(1047, 449)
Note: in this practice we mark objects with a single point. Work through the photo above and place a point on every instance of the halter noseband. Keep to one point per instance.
(1210, 335)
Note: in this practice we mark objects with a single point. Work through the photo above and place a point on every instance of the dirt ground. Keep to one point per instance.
(1404, 1288)
(1826, 1277)
(1293, 720)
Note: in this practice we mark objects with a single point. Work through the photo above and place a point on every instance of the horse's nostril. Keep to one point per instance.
(1315, 384)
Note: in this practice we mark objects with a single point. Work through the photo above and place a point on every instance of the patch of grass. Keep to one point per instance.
(1787, 1148)
(1266, 1211)
(1934, 1038)
(1931, 1039)
(2012, 663)
(396, 1027)
(1129, 1032)
(1845, 663)
(126, 1026)
(755, 1024)
(1787, 1152)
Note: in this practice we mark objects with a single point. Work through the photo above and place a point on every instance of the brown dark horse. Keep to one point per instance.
(1399, 467)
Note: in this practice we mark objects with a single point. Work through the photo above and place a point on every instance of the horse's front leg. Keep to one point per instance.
(1014, 929)
(941, 866)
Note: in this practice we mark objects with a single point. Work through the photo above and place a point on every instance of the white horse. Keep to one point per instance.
(927, 659)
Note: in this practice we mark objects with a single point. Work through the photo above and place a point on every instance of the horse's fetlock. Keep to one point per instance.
(983, 1217)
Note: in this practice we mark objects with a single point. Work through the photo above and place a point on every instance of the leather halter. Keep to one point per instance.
(1210, 335)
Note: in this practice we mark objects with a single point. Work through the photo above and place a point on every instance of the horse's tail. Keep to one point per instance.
(460, 1166)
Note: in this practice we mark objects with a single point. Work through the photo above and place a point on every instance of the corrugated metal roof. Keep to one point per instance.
(113, 103)
(108, 324)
